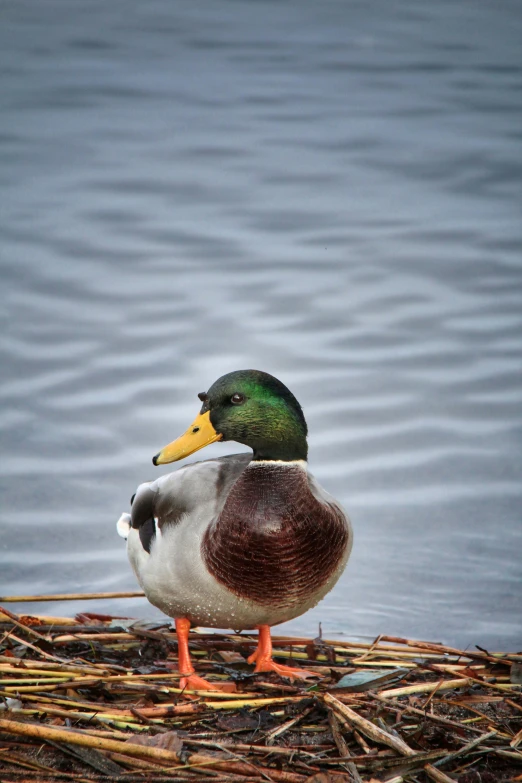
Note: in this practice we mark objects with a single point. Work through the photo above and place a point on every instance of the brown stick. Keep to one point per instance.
(341, 745)
(382, 737)
(16, 620)
(36, 649)
(115, 746)
(14, 599)
(465, 749)
(436, 775)
(396, 705)
(368, 728)
(143, 751)
(443, 648)
(271, 736)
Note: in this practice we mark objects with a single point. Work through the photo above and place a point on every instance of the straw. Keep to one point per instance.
(76, 695)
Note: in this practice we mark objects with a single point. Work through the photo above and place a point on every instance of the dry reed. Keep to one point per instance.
(97, 698)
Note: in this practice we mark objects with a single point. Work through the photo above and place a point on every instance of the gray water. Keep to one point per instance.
(329, 192)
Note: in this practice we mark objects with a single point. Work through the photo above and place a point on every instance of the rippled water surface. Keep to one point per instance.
(326, 191)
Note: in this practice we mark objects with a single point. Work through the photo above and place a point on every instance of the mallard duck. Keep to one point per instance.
(243, 541)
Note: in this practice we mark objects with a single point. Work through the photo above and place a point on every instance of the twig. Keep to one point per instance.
(426, 687)
(342, 747)
(368, 728)
(271, 736)
(465, 749)
(429, 715)
(36, 649)
(17, 621)
(382, 737)
(15, 599)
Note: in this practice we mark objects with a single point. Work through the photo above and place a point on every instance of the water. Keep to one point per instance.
(328, 192)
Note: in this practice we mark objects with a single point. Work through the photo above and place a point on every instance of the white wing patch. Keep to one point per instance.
(123, 525)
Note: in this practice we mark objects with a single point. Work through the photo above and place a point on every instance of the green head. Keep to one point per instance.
(250, 407)
(254, 408)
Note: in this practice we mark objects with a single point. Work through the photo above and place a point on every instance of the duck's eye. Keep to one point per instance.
(237, 399)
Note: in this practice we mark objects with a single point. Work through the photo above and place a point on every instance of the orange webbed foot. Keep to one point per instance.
(194, 683)
(264, 662)
(269, 665)
(189, 680)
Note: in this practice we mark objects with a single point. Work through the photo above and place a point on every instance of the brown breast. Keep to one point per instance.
(274, 542)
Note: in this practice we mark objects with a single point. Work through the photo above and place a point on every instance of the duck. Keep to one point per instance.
(243, 541)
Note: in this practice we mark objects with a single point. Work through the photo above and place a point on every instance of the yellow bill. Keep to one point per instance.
(199, 434)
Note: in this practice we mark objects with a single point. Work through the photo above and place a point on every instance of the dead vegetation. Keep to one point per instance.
(97, 699)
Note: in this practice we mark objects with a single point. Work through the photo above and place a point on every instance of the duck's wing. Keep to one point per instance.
(165, 501)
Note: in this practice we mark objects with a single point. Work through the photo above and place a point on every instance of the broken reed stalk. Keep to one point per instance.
(140, 751)
(16, 599)
(427, 687)
(86, 741)
(16, 620)
(466, 749)
(367, 727)
(382, 737)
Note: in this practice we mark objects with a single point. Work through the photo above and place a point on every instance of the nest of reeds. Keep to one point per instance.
(97, 698)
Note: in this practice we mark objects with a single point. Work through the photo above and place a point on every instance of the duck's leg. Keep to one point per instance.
(189, 680)
(264, 662)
